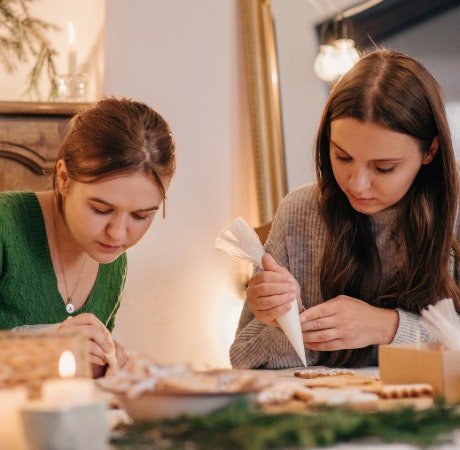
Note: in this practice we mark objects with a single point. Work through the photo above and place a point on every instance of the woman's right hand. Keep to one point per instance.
(101, 342)
(271, 292)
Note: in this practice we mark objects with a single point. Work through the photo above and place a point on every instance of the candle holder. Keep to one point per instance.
(83, 427)
(72, 88)
(11, 429)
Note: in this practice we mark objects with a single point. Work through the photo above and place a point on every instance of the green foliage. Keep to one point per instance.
(241, 427)
(23, 37)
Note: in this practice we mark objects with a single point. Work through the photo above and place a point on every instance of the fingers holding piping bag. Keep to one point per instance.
(102, 346)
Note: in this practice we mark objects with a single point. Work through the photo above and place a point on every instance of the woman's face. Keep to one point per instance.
(108, 217)
(374, 165)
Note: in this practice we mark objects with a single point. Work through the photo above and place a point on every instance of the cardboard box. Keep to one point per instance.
(422, 363)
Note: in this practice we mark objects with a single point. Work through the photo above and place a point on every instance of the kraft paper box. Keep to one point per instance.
(422, 363)
(27, 359)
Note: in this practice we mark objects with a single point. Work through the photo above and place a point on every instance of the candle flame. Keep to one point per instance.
(71, 34)
(67, 365)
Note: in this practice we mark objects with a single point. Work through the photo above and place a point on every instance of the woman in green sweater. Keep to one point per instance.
(375, 240)
(62, 252)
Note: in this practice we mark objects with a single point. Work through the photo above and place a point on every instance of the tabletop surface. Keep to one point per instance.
(118, 443)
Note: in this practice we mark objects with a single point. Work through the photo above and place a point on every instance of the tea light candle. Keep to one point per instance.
(72, 54)
(67, 391)
(11, 429)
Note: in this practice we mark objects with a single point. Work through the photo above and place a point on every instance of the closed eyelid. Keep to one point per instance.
(385, 169)
(142, 214)
(392, 163)
(343, 157)
(101, 209)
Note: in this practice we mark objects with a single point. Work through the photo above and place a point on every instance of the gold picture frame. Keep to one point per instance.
(265, 107)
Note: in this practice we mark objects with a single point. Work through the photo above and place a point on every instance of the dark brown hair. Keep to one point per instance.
(393, 90)
(116, 136)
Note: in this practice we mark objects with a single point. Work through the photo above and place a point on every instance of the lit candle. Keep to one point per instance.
(11, 429)
(67, 391)
(68, 416)
(72, 55)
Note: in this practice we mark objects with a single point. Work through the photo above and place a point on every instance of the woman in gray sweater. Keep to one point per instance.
(375, 240)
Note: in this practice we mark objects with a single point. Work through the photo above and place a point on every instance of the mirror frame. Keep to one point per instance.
(264, 105)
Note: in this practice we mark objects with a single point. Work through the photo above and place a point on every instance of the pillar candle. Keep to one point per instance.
(11, 429)
(72, 53)
(67, 391)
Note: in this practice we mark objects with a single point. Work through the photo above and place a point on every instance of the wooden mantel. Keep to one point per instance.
(40, 108)
(30, 133)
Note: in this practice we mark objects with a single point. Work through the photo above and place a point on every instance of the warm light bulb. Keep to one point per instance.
(325, 63)
(346, 55)
(335, 60)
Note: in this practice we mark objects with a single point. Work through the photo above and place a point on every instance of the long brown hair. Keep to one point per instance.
(116, 136)
(393, 90)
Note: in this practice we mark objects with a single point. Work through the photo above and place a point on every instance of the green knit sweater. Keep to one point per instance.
(28, 285)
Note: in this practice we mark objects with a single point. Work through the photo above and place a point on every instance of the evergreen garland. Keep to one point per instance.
(23, 37)
(240, 427)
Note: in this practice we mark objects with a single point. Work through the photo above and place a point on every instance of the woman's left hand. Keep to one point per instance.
(345, 322)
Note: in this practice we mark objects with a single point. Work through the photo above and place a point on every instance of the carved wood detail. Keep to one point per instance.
(30, 134)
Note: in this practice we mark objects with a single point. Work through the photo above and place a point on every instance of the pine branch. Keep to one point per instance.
(22, 38)
(240, 426)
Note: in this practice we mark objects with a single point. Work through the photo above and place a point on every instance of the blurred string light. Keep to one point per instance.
(338, 53)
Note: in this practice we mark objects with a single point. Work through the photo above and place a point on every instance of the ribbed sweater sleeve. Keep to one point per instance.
(295, 241)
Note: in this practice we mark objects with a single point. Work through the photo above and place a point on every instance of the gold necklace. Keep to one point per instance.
(69, 306)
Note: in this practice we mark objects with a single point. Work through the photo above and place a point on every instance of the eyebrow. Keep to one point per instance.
(385, 160)
(338, 146)
(99, 200)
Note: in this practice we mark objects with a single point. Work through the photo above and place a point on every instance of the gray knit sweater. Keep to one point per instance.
(296, 242)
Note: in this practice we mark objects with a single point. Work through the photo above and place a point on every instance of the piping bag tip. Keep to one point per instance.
(290, 324)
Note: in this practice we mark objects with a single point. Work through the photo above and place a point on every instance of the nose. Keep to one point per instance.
(117, 228)
(359, 179)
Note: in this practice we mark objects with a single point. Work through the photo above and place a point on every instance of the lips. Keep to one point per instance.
(362, 200)
(364, 205)
(110, 248)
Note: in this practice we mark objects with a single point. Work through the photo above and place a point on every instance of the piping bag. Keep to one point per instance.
(241, 241)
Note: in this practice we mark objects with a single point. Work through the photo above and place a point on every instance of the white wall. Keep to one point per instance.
(185, 59)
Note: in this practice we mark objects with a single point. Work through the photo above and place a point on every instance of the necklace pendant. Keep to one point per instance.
(69, 307)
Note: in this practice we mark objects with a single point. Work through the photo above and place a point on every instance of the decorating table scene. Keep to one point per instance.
(49, 400)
